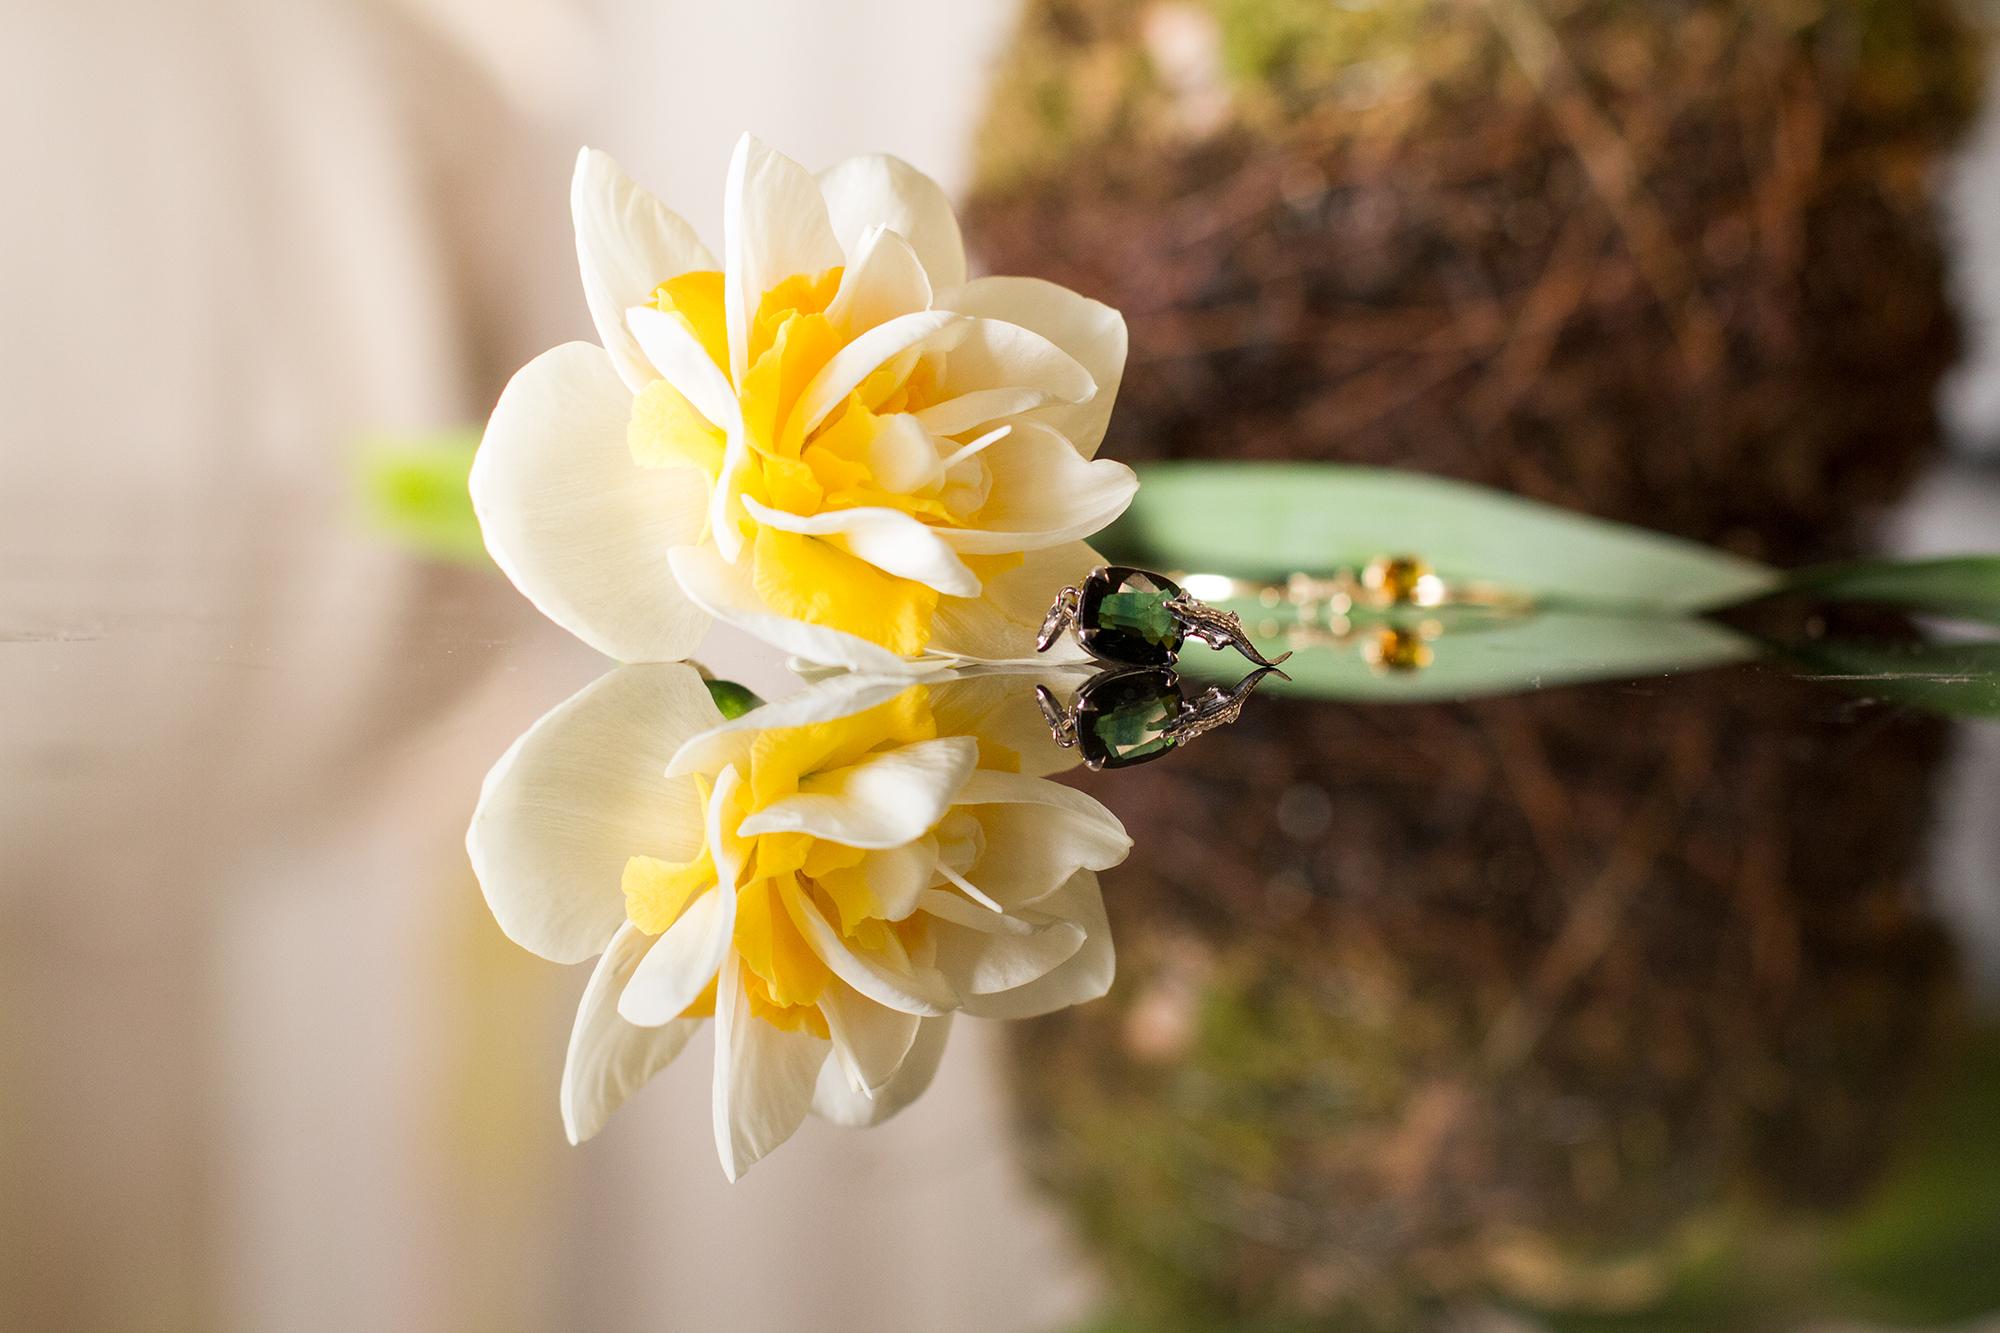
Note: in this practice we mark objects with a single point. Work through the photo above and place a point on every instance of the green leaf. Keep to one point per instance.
(1953, 679)
(1255, 520)
(413, 491)
(732, 699)
(1490, 655)
(1966, 586)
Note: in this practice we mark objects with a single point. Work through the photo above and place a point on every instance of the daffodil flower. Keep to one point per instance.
(828, 878)
(830, 438)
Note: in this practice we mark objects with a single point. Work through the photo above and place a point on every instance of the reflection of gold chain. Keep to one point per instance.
(1394, 648)
(1364, 604)
(1385, 583)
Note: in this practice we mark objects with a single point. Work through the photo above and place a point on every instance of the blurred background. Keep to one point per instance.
(1726, 268)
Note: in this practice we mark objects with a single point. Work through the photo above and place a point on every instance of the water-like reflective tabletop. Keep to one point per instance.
(1581, 973)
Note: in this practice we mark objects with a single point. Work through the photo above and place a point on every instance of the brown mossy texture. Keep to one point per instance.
(1666, 261)
(1546, 1000)
(1539, 1000)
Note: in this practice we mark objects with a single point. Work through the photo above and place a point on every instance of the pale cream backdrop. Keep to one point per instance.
(265, 1063)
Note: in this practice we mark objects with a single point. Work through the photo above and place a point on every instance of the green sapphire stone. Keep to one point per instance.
(1123, 617)
(1126, 718)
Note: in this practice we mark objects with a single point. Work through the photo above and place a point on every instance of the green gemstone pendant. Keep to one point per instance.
(1124, 616)
(1137, 618)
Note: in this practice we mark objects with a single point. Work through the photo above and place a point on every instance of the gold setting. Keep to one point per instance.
(1370, 606)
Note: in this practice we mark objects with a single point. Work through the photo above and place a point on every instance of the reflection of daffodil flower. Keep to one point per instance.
(831, 438)
(829, 877)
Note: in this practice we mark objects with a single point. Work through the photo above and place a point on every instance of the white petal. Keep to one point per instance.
(1038, 835)
(919, 990)
(682, 961)
(1044, 494)
(774, 225)
(764, 1078)
(924, 331)
(974, 408)
(955, 909)
(836, 696)
(1085, 975)
(897, 876)
(627, 244)
(998, 706)
(903, 455)
(729, 848)
(580, 793)
(865, 192)
(972, 448)
(884, 801)
(609, 1059)
(672, 350)
(822, 701)
(1088, 330)
(579, 527)
(996, 369)
(869, 1039)
(980, 951)
(725, 496)
(725, 592)
(884, 280)
(836, 1100)
(888, 539)
(1001, 623)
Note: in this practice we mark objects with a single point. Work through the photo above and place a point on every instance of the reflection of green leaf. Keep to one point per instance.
(732, 699)
(1955, 679)
(1965, 586)
(1919, 1252)
(414, 490)
(1927, 1247)
(1497, 656)
(1268, 520)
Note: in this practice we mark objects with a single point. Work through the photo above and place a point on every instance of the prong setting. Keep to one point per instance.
(1134, 617)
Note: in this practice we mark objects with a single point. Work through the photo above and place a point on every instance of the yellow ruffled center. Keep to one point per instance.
(785, 875)
(837, 464)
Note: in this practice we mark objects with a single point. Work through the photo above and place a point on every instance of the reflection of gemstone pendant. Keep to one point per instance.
(1119, 718)
(1140, 618)
(1127, 717)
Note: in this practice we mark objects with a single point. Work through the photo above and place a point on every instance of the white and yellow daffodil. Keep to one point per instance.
(829, 878)
(831, 438)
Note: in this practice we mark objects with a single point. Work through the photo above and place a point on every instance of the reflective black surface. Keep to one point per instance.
(1596, 972)
(1658, 1002)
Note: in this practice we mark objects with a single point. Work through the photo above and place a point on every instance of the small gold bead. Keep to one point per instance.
(1397, 580)
(1397, 650)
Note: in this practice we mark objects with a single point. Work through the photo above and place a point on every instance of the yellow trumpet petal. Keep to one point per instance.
(809, 579)
(697, 298)
(667, 431)
(772, 948)
(657, 892)
(782, 757)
